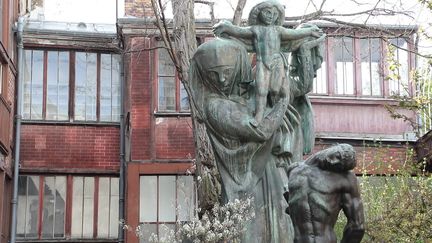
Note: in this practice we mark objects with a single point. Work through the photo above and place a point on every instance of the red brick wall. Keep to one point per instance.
(140, 95)
(174, 138)
(138, 8)
(376, 158)
(60, 146)
(152, 138)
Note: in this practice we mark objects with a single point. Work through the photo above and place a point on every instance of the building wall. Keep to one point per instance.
(66, 148)
(8, 13)
(154, 136)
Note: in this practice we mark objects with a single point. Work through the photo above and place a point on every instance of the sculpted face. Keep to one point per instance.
(268, 16)
(221, 76)
(339, 158)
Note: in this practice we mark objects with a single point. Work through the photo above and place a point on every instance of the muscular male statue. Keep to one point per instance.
(318, 189)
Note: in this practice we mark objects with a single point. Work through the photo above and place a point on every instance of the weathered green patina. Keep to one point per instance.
(259, 121)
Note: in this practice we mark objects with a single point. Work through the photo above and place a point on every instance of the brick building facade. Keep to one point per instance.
(8, 75)
(71, 149)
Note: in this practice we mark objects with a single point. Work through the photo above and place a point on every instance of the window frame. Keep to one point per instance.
(178, 111)
(357, 72)
(159, 222)
(68, 216)
(71, 116)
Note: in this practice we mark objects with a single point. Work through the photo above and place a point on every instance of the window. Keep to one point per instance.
(172, 96)
(355, 67)
(320, 81)
(399, 85)
(42, 207)
(371, 74)
(53, 92)
(164, 200)
(344, 65)
(92, 195)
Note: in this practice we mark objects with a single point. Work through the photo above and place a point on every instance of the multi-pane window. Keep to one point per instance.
(356, 67)
(371, 71)
(172, 96)
(44, 201)
(52, 91)
(320, 81)
(344, 65)
(92, 195)
(399, 83)
(165, 200)
(57, 97)
(33, 84)
(41, 207)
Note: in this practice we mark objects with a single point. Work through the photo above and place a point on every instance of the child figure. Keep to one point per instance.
(266, 32)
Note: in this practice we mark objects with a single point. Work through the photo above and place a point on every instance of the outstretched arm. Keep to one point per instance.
(353, 209)
(227, 28)
(295, 34)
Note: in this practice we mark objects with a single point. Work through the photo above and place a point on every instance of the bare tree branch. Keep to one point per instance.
(211, 6)
(239, 12)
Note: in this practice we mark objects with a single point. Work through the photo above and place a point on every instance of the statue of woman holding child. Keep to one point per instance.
(258, 120)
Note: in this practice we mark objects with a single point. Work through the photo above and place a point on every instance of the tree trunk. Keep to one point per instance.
(238, 12)
(185, 45)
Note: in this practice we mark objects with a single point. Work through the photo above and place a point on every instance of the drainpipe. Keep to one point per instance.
(20, 27)
(122, 153)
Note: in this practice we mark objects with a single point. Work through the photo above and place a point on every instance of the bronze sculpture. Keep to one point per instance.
(319, 188)
(259, 122)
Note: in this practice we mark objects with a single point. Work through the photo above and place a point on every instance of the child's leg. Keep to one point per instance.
(285, 89)
(262, 83)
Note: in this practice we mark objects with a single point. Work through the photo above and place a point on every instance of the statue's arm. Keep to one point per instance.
(295, 34)
(227, 28)
(353, 209)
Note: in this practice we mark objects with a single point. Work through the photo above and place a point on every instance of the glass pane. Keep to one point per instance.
(166, 231)
(48, 208)
(52, 90)
(114, 208)
(91, 87)
(37, 85)
(103, 207)
(88, 207)
(165, 65)
(320, 81)
(57, 86)
(80, 82)
(184, 99)
(106, 86)
(404, 68)
(85, 86)
(22, 213)
(167, 199)
(116, 87)
(167, 90)
(370, 63)
(146, 231)
(185, 198)
(60, 203)
(400, 86)
(77, 207)
(343, 53)
(32, 207)
(148, 199)
(27, 84)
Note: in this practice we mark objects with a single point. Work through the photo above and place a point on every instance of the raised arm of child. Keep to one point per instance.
(227, 28)
(295, 34)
